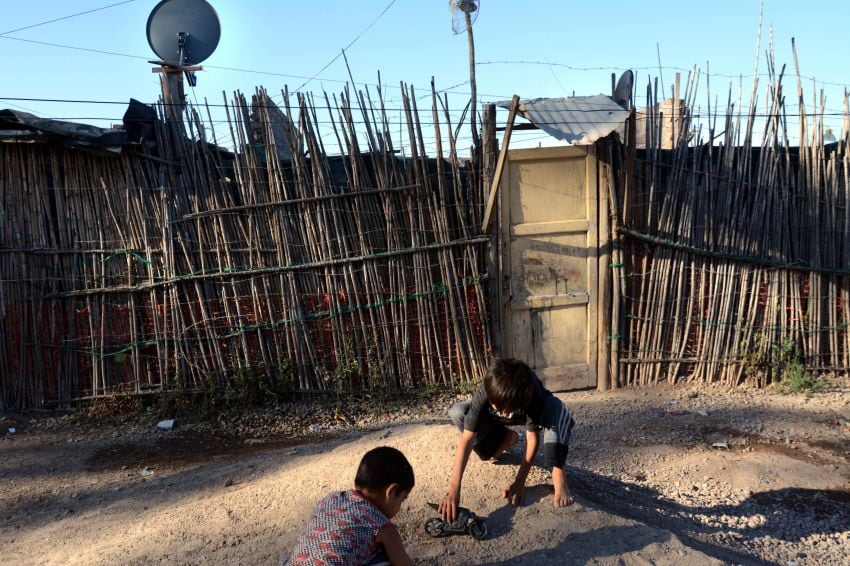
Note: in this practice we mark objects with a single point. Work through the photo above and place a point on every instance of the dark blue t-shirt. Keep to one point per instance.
(529, 416)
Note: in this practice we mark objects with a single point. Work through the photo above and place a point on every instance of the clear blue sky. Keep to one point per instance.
(547, 48)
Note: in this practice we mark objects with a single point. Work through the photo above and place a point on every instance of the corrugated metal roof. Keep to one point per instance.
(579, 120)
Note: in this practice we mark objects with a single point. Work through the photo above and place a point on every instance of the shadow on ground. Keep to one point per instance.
(500, 521)
(789, 514)
(578, 548)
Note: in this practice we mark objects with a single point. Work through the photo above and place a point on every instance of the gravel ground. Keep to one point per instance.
(661, 475)
(763, 476)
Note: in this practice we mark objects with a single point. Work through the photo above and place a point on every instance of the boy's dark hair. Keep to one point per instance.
(509, 384)
(383, 466)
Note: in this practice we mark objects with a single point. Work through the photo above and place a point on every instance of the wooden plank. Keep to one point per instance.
(500, 164)
(603, 330)
(504, 282)
(177, 69)
(564, 378)
(520, 334)
(591, 196)
(548, 153)
(518, 127)
(550, 301)
(549, 228)
(489, 156)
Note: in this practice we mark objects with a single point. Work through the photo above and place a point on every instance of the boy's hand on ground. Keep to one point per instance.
(448, 506)
(514, 493)
(563, 497)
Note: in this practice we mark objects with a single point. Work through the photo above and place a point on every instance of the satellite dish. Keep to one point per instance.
(623, 90)
(185, 32)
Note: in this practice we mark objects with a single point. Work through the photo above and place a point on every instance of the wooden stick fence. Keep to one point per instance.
(734, 255)
(191, 267)
(194, 268)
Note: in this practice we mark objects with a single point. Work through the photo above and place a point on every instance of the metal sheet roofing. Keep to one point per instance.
(579, 120)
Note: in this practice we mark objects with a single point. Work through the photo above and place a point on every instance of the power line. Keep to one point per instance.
(101, 51)
(446, 90)
(326, 123)
(347, 46)
(270, 73)
(649, 68)
(233, 69)
(210, 104)
(586, 110)
(32, 110)
(131, 56)
(66, 17)
(3, 35)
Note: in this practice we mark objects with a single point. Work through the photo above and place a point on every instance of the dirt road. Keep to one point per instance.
(661, 476)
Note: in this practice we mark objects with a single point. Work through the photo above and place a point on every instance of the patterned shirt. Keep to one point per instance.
(341, 531)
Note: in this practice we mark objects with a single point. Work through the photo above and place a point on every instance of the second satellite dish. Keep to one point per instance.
(185, 32)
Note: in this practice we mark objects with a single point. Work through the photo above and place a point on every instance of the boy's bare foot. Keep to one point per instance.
(510, 439)
(562, 498)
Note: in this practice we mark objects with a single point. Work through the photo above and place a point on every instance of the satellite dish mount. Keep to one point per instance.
(182, 33)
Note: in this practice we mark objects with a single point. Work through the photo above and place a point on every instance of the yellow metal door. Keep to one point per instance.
(549, 269)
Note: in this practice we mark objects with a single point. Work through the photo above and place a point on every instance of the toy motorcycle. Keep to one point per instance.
(466, 522)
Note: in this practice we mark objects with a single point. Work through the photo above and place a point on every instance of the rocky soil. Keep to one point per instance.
(665, 475)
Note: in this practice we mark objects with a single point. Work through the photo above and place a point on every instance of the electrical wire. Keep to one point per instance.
(65, 17)
(232, 69)
(4, 35)
(353, 41)
(588, 109)
(63, 46)
(33, 110)
(375, 85)
(650, 68)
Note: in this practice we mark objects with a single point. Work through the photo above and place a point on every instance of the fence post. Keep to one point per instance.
(490, 150)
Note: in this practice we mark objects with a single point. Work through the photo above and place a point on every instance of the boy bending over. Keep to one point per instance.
(511, 394)
(353, 527)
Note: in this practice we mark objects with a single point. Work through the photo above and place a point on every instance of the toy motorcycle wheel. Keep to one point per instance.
(478, 530)
(435, 527)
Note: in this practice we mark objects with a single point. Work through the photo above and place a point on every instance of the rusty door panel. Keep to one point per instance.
(540, 200)
(548, 240)
(549, 266)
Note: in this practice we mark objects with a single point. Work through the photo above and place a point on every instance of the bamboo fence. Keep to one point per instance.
(182, 266)
(730, 253)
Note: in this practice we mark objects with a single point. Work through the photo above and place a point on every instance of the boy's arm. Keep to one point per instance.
(514, 492)
(450, 501)
(563, 497)
(390, 538)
